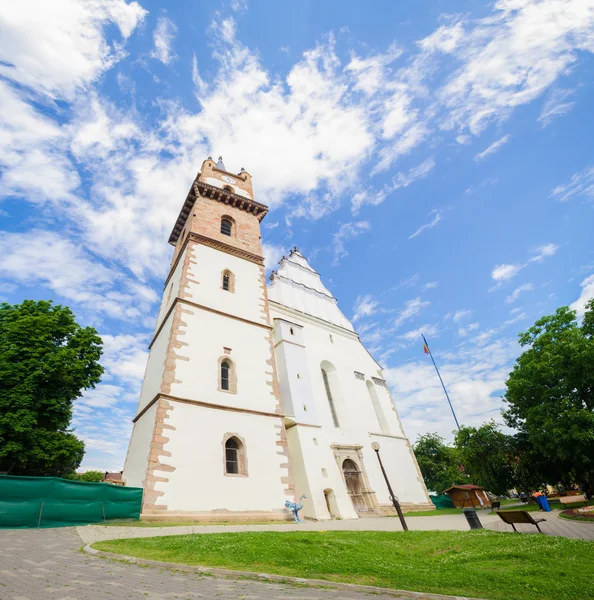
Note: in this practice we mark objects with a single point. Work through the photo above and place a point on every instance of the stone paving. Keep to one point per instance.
(47, 564)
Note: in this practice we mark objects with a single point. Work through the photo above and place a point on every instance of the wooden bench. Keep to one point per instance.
(573, 499)
(519, 516)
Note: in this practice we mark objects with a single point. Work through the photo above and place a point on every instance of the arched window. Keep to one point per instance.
(379, 413)
(330, 399)
(225, 372)
(226, 226)
(235, 458)
(228, 281)
(232, 456)
(227, 375)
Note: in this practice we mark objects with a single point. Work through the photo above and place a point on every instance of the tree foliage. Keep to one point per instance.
(439, 463)
(88, 476)
(550, 394)
(488, 456)
(46, 360)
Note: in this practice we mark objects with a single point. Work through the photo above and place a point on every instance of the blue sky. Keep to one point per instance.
(432, 160)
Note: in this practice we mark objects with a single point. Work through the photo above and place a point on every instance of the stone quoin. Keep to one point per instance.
(274, 377)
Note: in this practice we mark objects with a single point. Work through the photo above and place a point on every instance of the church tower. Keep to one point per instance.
(209, 438)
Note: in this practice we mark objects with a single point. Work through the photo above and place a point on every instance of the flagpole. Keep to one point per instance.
(440, 379)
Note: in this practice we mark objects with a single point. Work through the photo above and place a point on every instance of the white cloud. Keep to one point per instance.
(272, 255)
(57, 47)
(240, 6)
(347, 232)
(400, 180)
(586, 294)
(436, 219)
(543, 252)
(555, 106)
(430, 285)
(527, 287)
(163, 38)
(464, 331)
(365, 306)
(492, 148)
(411, 309)
(56, 263)
(504, 272)
(461, 314)
(474, 376)
(581, 184)
(415, 334)
(509, 58)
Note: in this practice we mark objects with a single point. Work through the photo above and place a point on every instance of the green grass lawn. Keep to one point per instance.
(482, 564)
(433, 513)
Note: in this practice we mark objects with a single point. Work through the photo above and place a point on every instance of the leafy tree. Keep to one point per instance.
(46, 360)
(89, 476)
(488, 456)
(550, 394)
(439, 463)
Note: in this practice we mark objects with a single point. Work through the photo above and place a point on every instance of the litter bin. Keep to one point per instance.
(472, 518)
(543, 503)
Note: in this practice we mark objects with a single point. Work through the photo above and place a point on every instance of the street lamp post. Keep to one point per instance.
(395, 502)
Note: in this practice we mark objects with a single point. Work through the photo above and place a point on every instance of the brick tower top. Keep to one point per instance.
(216, 183)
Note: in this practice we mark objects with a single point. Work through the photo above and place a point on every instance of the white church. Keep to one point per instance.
(253, 394)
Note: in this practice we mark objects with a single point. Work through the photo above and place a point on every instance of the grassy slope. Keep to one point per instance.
(485, 564)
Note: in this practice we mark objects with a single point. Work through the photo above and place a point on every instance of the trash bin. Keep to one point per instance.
(543, 502)
(472, 518)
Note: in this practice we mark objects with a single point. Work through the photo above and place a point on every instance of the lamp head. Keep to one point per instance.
(375, 446)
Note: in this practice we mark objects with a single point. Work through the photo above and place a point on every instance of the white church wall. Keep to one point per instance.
(197, 374)
(139, 449)
(205, 285)
(171, 290)
(155, 366)
(196, 444)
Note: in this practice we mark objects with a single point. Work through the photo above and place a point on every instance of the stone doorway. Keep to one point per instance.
(352, 478)
(349, 460)
(331, 503)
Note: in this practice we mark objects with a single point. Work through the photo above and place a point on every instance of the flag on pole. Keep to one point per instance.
(425, 348)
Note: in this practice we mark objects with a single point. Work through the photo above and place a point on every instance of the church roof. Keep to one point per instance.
(295, 284)
(221, 164)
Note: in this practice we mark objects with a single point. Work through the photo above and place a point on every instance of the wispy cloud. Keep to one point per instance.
(365, 306)
(492, 148)
(163, 38)
(505, 272)
(461, 314)
(347, 232)
(586, 294)
(555, 106)
(465, 331)
(436, 219)
(581, 184)
(542, 252)
(415, 334)
(527, 287)
(411, 309)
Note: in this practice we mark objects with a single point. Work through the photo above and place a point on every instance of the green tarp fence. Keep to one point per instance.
(55, 502)
(442, 501)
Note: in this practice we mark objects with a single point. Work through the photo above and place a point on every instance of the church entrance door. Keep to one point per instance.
(352, 477)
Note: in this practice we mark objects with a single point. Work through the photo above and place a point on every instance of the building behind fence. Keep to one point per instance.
(55, 502)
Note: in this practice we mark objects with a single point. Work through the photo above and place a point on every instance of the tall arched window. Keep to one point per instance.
(379, 413)
(228, 281)
(232, 456)
(225, 372)
(235, 457)
(330, 399)
(227, 375)
(226, 226)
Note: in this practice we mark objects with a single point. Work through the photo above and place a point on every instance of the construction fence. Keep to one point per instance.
(54, 502)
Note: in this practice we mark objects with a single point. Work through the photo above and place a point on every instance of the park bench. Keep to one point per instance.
(572, 499)
(519, 516)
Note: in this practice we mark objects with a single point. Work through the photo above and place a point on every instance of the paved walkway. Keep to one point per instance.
(47, 564)
(553, 525)
(95, 533)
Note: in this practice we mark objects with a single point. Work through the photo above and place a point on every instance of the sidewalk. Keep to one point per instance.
(95, 533)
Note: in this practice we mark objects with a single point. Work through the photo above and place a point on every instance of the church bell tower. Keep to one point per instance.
(209, 439)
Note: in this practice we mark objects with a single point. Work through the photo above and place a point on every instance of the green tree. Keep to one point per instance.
(439, 463)
(550, 394)
(46, 360)
(488, 455)
(89, 476)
